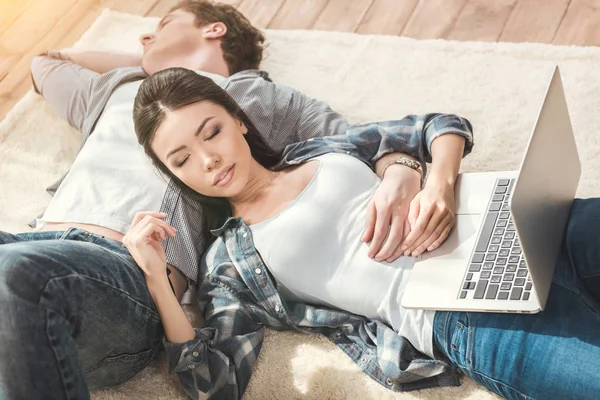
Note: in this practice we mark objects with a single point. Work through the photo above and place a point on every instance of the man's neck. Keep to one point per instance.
(212, 60)
(218, 66)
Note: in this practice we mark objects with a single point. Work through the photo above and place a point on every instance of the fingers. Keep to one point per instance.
(436, 226)
(369, 222)
(414, 210)
(382, 224)
(393, 240)
(398, 252)
(141, 215)
(443, 235)
(150, 218)
(418, 226)
(135, 236)
(151, 231)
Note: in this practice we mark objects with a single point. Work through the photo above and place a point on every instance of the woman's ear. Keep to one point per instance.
(216, 30)
(243, 127)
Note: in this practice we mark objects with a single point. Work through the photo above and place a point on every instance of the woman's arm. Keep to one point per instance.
(377, 144)
(176, 325)
(214, 362)
(431, 215)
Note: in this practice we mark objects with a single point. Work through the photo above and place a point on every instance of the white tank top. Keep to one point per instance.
(313, 250)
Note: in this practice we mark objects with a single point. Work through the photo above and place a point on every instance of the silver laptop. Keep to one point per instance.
(500, 257)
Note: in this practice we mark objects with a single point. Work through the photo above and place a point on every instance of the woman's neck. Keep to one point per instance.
(259, 183)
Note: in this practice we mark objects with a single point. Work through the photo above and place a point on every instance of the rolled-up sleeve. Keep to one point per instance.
(412, 135)
(66, 87)
(443, 124)
(218, 362)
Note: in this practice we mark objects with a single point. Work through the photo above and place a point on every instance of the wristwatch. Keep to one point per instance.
(406, 162)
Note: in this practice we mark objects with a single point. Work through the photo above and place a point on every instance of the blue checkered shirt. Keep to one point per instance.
(239, 297)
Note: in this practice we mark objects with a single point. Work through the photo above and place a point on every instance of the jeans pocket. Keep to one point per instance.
(459, 344)
(114, 370)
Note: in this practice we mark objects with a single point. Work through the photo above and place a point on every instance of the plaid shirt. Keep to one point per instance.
(239, 297)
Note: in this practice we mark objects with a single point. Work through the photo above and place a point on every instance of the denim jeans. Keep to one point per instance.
(554, 354)
(75, 315)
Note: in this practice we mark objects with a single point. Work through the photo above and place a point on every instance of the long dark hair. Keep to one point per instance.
(172, 89)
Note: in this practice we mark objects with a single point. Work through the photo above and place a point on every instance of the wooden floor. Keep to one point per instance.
(28, 27)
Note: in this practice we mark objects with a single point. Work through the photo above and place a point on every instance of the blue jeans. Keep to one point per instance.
(554, 354)
(75, 315)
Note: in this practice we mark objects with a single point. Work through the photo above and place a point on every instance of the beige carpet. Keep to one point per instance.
(499, 87)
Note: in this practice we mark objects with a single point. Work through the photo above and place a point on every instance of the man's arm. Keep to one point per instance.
(102, 61)
(66, 87)
(281, 114)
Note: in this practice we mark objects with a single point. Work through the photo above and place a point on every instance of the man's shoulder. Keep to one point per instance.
(249, 74)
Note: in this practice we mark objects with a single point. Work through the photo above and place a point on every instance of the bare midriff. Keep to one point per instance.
(176, 277)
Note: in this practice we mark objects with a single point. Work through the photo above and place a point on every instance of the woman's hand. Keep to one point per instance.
(386, 224)
(431, 218)
(144, 242)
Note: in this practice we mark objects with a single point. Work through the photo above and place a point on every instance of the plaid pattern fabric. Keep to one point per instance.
(239, 297)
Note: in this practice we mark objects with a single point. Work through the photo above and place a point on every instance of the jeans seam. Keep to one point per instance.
(444, 331)
(155, 313)
(501, 383)
(57, 356)
(593, 275)
(572, 263)
(577, 293)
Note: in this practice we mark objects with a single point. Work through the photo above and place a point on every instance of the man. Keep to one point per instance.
(77, 314)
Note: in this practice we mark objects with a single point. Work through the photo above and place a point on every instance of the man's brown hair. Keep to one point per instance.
(242, 44)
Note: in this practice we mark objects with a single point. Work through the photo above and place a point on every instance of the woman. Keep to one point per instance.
(288, 254)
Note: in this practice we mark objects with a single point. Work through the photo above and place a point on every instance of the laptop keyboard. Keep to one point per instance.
(497, 269)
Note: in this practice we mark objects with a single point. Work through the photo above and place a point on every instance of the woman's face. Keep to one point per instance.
(204, 146)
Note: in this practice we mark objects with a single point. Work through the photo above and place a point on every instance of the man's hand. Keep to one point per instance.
(431, 218)
(144, 242)
(386, 223)
(97, 61)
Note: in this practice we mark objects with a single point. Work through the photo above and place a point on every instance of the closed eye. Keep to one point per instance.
(162, 23)
(215, 132)
(182, 162)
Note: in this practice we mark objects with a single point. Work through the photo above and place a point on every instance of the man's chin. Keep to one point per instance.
(149, 66)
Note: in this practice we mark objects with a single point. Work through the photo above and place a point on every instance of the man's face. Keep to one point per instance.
(173, 44)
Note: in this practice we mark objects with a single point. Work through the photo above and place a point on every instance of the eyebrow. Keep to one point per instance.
(169, 154)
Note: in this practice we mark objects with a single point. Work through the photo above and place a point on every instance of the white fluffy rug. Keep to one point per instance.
(499, 87)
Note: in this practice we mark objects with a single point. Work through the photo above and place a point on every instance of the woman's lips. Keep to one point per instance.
(224, 177)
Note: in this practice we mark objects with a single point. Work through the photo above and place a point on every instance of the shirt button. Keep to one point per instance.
(277, 308)
(389, 381)
(195, 354)
(347, 152)
(245, 234)
(258, 271)
(192, 366)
